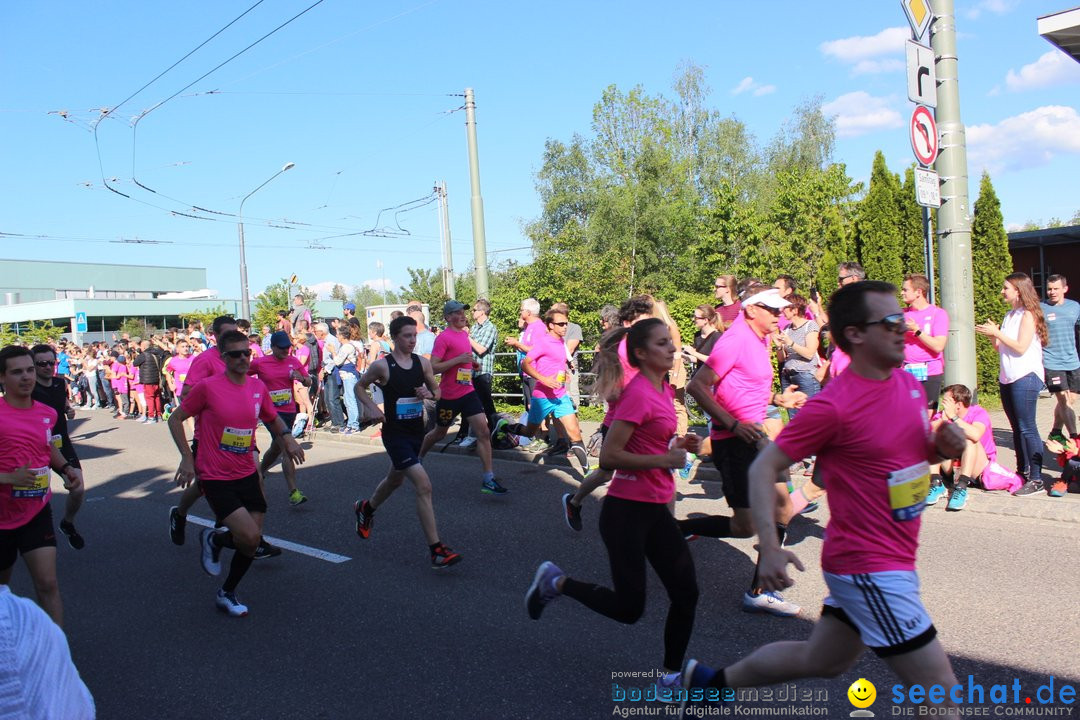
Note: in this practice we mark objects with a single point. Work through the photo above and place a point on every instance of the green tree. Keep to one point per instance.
(912, 239)
(338, 293)
(136, 327)
(276, 297)
(206, 317)
(878, 225)
(426, 286)
(30, 333)
(990, 263)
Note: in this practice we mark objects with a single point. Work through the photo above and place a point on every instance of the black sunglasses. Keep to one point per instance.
(892, 323)
(45, 363)
(560, 324)
(235, 354)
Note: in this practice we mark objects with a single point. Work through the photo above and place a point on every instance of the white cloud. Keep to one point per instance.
(857, 49)
(748, 84)
(874, 67)
(1023, 141)
(858, 113)
(380, 284)
(997, 7)
(323, 288)
(1053, 68)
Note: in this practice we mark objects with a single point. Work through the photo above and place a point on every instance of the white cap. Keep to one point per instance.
(768, 298)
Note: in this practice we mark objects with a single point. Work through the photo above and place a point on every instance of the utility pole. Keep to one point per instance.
(479, 241)
(953, 218)
(447, 247)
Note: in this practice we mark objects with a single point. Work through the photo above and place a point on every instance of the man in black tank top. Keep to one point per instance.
(52, 391)
(406, 381)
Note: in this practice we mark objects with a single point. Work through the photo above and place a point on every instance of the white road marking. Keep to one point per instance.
(285, 544)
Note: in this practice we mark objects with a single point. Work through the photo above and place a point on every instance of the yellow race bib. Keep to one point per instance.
(464, 376)
(907, 491)
(281, 397)
(38, 489)
(236, 440)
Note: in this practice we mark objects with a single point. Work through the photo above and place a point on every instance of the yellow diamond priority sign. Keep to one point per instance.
(918, 14)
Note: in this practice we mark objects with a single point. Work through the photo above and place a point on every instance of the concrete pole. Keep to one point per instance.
(447, 247)
(954, 216)
(479, 241)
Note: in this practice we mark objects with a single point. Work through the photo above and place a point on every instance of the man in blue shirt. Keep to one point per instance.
(1059, 357)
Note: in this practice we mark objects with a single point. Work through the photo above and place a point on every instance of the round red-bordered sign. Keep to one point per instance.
(924, 135)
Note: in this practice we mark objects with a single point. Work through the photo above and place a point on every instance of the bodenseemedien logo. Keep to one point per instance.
(862, 694)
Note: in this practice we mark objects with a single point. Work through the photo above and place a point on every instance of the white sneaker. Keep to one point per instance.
(468, 442)
(770, 602)
(669, 688)
(228, 602)
(210, 554)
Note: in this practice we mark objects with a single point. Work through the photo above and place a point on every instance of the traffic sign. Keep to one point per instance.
(927, 188)
(921, 77)
(924, 137)
(80, 322)
(918, 15)
(292, 280)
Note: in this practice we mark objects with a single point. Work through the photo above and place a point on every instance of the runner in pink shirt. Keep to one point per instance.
(924, 341)
(635, 522)
(873, 442)
(735, 387)
(979, 449)
(229, 407)
(452, 358)
(27, 455)
(279, 371)
(178, 366)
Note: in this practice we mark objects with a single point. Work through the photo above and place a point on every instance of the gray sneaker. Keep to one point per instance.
(210, 554)
(770, 602)
(542, 591)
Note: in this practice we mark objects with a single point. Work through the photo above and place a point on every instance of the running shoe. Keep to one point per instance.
(365, 518)
(499, 429)
(297, 498)
(537, 446)
(769, 602)
(560, 447)
(1059, 489)
(696, 674)
(688, 469)
(492, 487)
(1058, 436)
(936, 493)
(229, 603)
(1030, 488)
(266, 550)
(582, 455)
(542, 591)
(810, 507)
(958, 499)
(571, 512)
(469, 442)
(210, 554)
(75, 540)
(177, 525)
(669, 688)
(299, 424)
(443, 557)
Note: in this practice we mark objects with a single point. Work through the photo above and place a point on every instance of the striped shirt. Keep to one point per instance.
(487, 335)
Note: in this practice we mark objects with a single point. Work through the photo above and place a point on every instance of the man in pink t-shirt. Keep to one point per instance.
(979, 450)
(452, 357)
(229, 407)
(735, 387)
(873, 443)
(924, 341)
(533, 327)
(27, 455)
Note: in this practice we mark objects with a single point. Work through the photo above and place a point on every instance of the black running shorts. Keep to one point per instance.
(37, 533)
(227, 496)
(466, 406)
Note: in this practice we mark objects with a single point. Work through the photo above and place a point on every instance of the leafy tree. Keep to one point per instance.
(426, 286)
(276, 297)
(878, 225)
(206, 317)
(990, 263)
(338, 293)
(30, 333)
(912, 238)
(136, 327)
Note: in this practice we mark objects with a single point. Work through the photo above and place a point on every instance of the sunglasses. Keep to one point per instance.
(44, 363)
(770, 310)
(236, 354)
(560, 324)
(698, 317)
(892, 323)
(842, 278)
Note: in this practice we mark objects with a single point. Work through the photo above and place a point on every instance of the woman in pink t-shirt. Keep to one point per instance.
(635, 521)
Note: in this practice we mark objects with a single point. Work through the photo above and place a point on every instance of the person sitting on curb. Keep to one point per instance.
(979, 451)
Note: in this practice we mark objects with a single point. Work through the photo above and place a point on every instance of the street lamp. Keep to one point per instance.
(245, 299)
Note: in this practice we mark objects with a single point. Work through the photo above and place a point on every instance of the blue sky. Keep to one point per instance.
(361, 97)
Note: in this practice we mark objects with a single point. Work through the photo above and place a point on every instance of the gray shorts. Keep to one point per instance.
(883, 607)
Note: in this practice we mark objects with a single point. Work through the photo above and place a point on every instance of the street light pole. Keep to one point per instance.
(244, 297)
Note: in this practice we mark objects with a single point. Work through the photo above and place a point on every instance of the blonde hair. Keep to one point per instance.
(660, 311)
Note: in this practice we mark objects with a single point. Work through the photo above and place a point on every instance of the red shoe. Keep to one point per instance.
(443, 557)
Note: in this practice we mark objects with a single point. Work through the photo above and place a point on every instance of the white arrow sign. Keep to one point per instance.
(921, 77)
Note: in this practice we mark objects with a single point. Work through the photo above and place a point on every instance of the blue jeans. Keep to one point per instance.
(331, 393)
(806, 383)
(1018, 401)
(348, 382)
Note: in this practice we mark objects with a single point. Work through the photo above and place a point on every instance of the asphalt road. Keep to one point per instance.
(382, 635)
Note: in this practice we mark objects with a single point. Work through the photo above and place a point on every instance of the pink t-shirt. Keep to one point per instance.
(838, 362)
(303, 354)
(179, 366)
(227, 425)
(532, 332)
(120, 382)
(933, 321)
(976, 414)
(456, 381)
(25, 439)
(729, 313)
(629, 372)
(652, 413)
(871, 438)
(205, 365)
(548, 357)
(275, 374)
(256, 350)
(743, 366)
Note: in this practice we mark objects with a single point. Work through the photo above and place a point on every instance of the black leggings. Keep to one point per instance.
(633, 533)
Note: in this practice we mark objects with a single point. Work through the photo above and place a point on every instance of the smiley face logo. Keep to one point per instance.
(862, 693)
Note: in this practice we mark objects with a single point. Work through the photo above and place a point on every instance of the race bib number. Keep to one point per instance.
(560, 378)
(920, 371)
(464, 376)
(181, 377)
(236, 440)
(409, 408)
(907, 491)
(281, 397)
(57, 441)
(38, 489)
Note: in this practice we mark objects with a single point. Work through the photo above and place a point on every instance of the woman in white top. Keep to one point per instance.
(1019, 342)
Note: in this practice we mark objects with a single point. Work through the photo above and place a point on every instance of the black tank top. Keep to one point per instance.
(404, 411)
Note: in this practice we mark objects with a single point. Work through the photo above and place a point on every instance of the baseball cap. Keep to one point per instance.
(769, 298)
(452, 306)
(350, 306)
(280, 339)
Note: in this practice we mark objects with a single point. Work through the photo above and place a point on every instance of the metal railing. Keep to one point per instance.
(506, 380)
